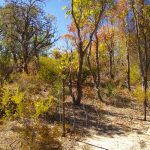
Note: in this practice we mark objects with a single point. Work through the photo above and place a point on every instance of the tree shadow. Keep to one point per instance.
(84, 118)
(88, 117)
(121, 101)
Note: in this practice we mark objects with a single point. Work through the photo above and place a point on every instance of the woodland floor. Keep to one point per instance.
(117, 126)
(113, 126)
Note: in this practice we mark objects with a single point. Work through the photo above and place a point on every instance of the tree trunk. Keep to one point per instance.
(128, 67)
(98, 69)
(25, 68)
(129, 84)
(144, 65)
(79, 74)
(138, 41)
(70, 80)
(111, 64)
(146, 60)
(79, 80)
(95, 77)
(63, 109)
(145, 98)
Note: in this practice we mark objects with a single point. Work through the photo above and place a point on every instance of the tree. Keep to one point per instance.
(95, 74)
(26, 30)
(106, 35)
(124, 26)
(69, 42)
(142, 22)
(86, 16)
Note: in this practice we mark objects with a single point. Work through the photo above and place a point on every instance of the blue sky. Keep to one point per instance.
(54, 7)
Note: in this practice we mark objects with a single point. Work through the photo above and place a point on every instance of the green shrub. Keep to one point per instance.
(48, 70)
(110, 88)
(139, 94)
(14, 103)
(135, 75)
(43, 105)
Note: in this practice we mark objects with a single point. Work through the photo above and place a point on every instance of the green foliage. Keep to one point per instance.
(48, 70)
(139, 94)
(57, 89)
(18, 98)
(91, 9)
(56, 54)
(135, 75)
(14, 103)
(6, 96)
(43, 105)
(110, 88)
(42, 32)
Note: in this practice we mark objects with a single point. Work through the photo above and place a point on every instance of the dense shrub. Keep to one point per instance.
(14, 101)
(139, 94)
(48, 70)
(135, 75)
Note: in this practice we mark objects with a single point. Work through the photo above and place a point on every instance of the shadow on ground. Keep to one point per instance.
(82, 119)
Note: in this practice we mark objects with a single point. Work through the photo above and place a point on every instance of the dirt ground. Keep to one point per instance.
(96, 126)
(113, 127)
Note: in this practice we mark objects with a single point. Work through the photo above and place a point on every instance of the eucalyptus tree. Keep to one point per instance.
(141, 15)
(86, 16)
(26, 30)
(95, 69)
(124, 26)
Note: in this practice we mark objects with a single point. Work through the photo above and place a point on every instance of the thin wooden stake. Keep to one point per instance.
(63, 109)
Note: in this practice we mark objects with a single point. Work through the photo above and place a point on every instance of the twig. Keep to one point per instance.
(91, 144)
